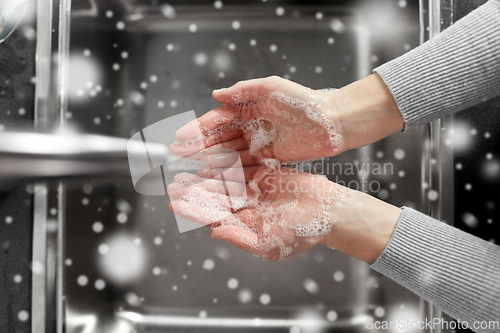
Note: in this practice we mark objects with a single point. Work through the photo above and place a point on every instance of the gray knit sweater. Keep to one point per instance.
(457, 272)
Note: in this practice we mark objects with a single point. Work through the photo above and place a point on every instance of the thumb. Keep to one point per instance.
(244, 91)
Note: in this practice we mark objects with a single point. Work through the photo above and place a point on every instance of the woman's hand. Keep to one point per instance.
(273, 120)
(284, 211)
(270, 120)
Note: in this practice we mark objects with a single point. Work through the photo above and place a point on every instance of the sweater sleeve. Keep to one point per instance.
(457, 69)
(453, 270)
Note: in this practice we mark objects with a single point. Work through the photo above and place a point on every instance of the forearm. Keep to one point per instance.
(457, 69)
(454, 270)
(362, 226)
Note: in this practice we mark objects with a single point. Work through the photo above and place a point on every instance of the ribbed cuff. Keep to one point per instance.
(455, 70)
(457, 272)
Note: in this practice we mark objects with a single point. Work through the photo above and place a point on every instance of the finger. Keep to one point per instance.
(210, 121)
(232, 159)
(246, 90)
(191, 147)
(198, 214)
(210, 185)
(240, 143)
(234, 174)
(240, 238)
(222, 135)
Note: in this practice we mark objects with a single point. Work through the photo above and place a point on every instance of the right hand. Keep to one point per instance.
(268, 120)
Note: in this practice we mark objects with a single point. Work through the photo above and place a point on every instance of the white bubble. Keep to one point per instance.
(232, 283)
(97, 227)
(273, 48)
(68, 262)
(167, 11)
(173, 103)
(122, 217)
(85, 201)
(218, 4)
(9, 219)
(265, 299)
(23, 315)
(97, 120)
(203, 314)
(459, 166)
(18, 278)
(338, 276)
(379, 312)
(82, 280)
(331, 40)
(491, 169)
(293, 69)
(318, 69)
(99, 284)
(319, 15)
(120, 25)
(158, 241)
(280, 11)
(87, 188)
(402, 3)
(37, 267)
(470, 220)
(489, 156)
(253, 42)
(103, 249)
(222, 253)
(236, 25)
(153, 78)
(401, 173)
(407, 47)
(232, 46)
(245, 296)
(22, 111)
(170, 47)
(87, 52)
(132, 299)
(193, 27)
(432, 195)
(109, 13)
(156, 270)
(337, 26)
(161, 104)
(468, 187)
(208, 264)
(383, 194)
(116, 67)
(311, 286)
(399, 154)
(125, 261)
(200, 59)
(487, 135)
(332, 315)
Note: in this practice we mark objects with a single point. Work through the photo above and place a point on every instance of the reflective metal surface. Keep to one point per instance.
(27, 156)
(121, 264)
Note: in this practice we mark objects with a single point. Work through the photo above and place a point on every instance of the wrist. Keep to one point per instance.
(366, 112)
(362, 226)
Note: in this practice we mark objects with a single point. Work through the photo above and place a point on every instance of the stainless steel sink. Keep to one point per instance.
(120, 263)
